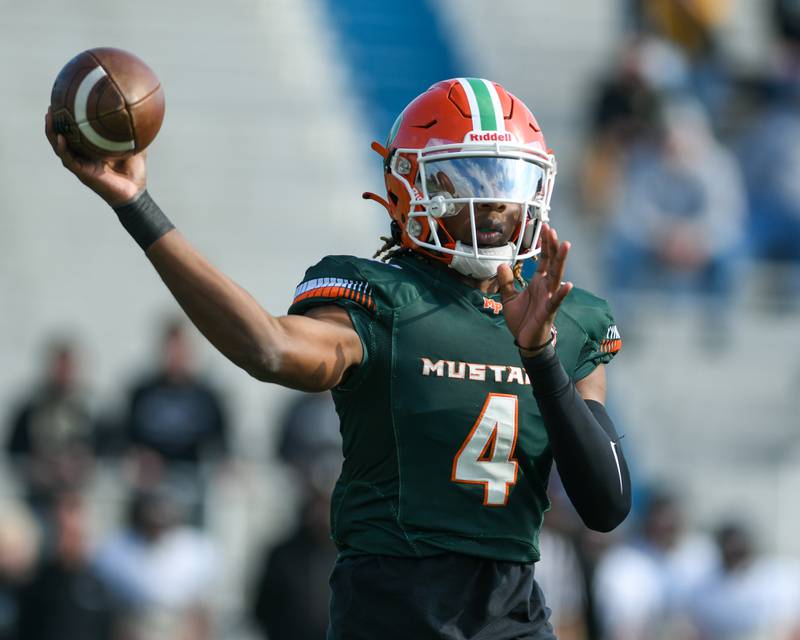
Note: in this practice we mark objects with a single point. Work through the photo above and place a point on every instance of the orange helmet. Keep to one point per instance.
(463, 142)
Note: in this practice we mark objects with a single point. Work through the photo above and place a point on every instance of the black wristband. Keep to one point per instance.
(144, 220)
(538, 346)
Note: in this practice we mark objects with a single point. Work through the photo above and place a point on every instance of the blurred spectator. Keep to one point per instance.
(292, 596)
(769, 150)
(65, 598)
(691, 24)
(649, 74)
(176, 423)
(309, 436)
(747, 597)
(681, 217)
(18, 552)
(625, 114)
(642, 587)
(53, 436)
(693, 27)
(160, 572)
(786, 22)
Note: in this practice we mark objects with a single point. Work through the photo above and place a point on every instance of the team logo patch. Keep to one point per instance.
(494, 305)
(612, 342)
(331, 288)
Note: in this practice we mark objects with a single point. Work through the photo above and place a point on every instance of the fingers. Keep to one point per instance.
(505, 280)
(549, 247)
(59, 144)
(558, 266)
(68, 159)
(544, 248)
(558, 297)
(552, 259)
(48, 129)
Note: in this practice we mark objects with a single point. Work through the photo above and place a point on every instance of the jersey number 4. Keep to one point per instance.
(486, 457)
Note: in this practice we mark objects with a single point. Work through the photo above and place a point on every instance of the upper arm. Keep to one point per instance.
(328, 330)
(318, 349)
(593, 386)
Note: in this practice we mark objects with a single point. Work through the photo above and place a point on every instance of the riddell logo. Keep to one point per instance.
(488, 136)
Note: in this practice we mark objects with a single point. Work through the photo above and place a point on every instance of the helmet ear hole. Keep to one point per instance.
(393, 197)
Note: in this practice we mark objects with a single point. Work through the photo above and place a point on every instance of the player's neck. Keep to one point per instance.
(488, 286)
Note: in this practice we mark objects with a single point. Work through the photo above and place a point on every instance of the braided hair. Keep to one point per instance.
(392, 245)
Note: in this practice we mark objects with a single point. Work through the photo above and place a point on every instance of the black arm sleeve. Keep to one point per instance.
(584, 442)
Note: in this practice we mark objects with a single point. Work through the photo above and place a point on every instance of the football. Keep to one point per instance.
(107, 103)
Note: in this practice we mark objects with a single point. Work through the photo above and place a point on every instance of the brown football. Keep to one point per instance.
(107, 103)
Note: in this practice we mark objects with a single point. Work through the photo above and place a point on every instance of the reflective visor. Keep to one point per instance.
(483, 177)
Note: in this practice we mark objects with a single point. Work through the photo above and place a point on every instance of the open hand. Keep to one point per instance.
(530, 313)
(116, 180)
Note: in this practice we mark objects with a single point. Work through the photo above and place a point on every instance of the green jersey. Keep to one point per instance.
(444, 446)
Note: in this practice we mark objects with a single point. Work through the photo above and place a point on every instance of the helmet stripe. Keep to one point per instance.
(485, 104)
(497, 107)
(473, 103)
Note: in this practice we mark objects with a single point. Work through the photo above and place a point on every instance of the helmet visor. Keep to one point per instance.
(482, 177)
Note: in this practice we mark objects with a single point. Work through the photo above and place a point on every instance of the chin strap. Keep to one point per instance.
(482, 268)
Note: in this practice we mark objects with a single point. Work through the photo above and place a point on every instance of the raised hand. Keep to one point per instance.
(116, 180)
(530, 313)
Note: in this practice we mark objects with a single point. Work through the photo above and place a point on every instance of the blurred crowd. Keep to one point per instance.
(74, 566)
(689, 171)
(657, 579)
(154, 572)
(690, 176)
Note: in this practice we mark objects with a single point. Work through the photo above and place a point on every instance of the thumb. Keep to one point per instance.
(505, 280)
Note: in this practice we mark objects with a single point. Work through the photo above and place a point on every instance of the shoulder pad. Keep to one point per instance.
(347, 280)
(334, 279)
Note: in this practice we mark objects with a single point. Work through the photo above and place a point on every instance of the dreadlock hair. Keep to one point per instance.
(391, 245)
(517, 271)
(389, 249)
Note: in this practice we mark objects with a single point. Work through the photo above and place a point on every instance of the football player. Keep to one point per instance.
(456, 383)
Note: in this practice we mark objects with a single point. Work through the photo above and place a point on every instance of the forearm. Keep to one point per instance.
(312, 354)
(584, 443)
(307, 353)
(232, 320)
(225, 313)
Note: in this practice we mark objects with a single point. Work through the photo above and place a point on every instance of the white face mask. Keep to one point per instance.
(484, 267)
